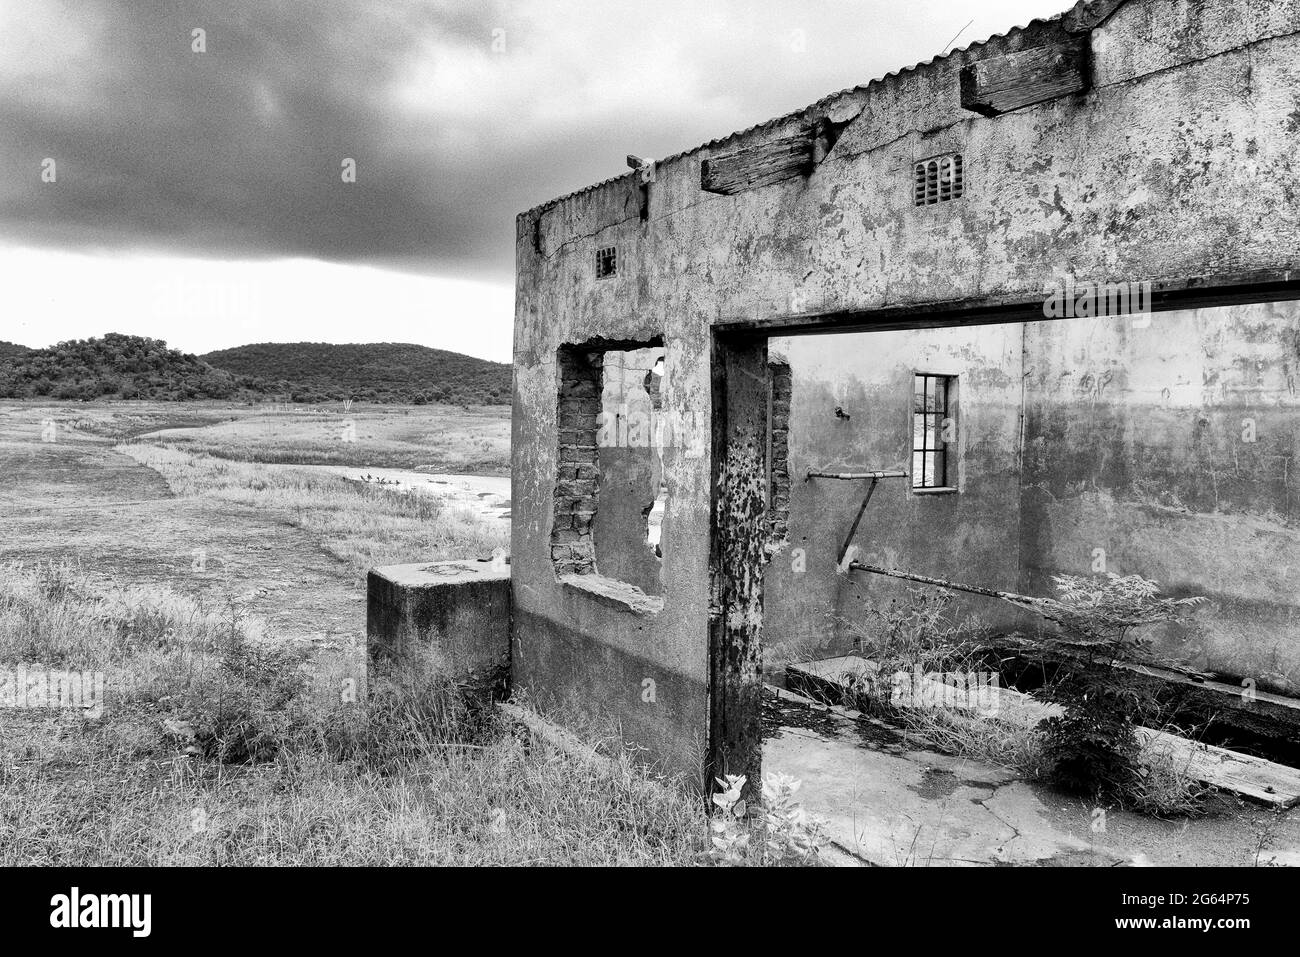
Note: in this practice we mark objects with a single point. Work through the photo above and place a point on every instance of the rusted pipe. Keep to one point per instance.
(854, 476)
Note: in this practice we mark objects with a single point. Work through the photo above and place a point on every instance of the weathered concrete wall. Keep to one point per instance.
(1179, 165)
(1161, 445)
(1166, 446)
(455, 614)
(583, 644)
(971, 535)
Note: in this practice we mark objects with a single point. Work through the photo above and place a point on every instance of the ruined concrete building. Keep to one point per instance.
(1046, 283)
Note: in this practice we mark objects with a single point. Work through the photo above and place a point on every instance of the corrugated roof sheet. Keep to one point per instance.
(1098, 10)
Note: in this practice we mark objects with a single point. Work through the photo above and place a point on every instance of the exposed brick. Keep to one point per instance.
(588, 405)
(779, 512)
(578, 469)
(578, 490)
(575, 419)
(580, 388)
(578, 453)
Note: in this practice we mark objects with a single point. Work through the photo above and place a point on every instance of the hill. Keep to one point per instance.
(117, 366)
(374, 372)
(11, 350)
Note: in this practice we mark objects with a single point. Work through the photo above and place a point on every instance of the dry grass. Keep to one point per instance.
(429, 438)
(365, 525)
(209, 752)
(1162, 785)
(1001, 743)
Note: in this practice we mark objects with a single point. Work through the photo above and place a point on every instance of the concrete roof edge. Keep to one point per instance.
(1084, 16)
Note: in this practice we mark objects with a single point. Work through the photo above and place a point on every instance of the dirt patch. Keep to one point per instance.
(780, 712)
(118, 520)
(936, 783)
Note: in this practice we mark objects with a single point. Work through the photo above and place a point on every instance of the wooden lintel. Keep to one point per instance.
(1004, 83)
(760, 165)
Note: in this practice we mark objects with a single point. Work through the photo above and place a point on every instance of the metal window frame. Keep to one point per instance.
(609, 255)
(939, 451)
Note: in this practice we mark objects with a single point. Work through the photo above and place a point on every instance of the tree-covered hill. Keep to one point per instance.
(379, 371)
(116, 366)
(11, 350)
(133, 367)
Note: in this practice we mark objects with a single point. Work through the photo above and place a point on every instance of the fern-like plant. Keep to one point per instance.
(1092, 747)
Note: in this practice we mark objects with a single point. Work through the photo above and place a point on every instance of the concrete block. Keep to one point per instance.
(458, 612)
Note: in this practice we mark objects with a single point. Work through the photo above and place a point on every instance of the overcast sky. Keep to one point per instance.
(198, 196)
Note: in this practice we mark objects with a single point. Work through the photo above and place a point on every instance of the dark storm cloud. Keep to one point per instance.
(236, 151)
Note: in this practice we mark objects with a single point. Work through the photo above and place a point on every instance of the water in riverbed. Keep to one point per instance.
(485, 495)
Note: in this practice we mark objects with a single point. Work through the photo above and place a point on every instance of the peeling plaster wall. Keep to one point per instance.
(971, 536)
(1178, 165)
(1162, 445)
(1166, 445)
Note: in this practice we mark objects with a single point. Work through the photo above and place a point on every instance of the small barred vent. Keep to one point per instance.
(938, 180)
(606, 262)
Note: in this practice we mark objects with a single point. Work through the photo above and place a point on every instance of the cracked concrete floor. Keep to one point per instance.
(885, 801)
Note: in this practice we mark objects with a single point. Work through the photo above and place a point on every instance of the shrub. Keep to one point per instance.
(1093, 746)
(243, 710)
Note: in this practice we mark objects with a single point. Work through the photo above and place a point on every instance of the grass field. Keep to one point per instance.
(210, 750)
(229, 732)
(239, 722)
(364, 525)
(427, 438)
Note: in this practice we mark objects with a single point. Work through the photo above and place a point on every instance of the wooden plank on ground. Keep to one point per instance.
(837, 669)
(1252, 777)
(1243, 774)
(854, 673)
(1234, 696)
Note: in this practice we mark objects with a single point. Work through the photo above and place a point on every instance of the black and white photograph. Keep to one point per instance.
(577, 434)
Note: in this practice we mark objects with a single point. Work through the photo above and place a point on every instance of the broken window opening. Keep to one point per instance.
(629, 522)
(610, 492)
(606, 262)
(654, 512)
(933, 429)
(778, 456)
(573, 548)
